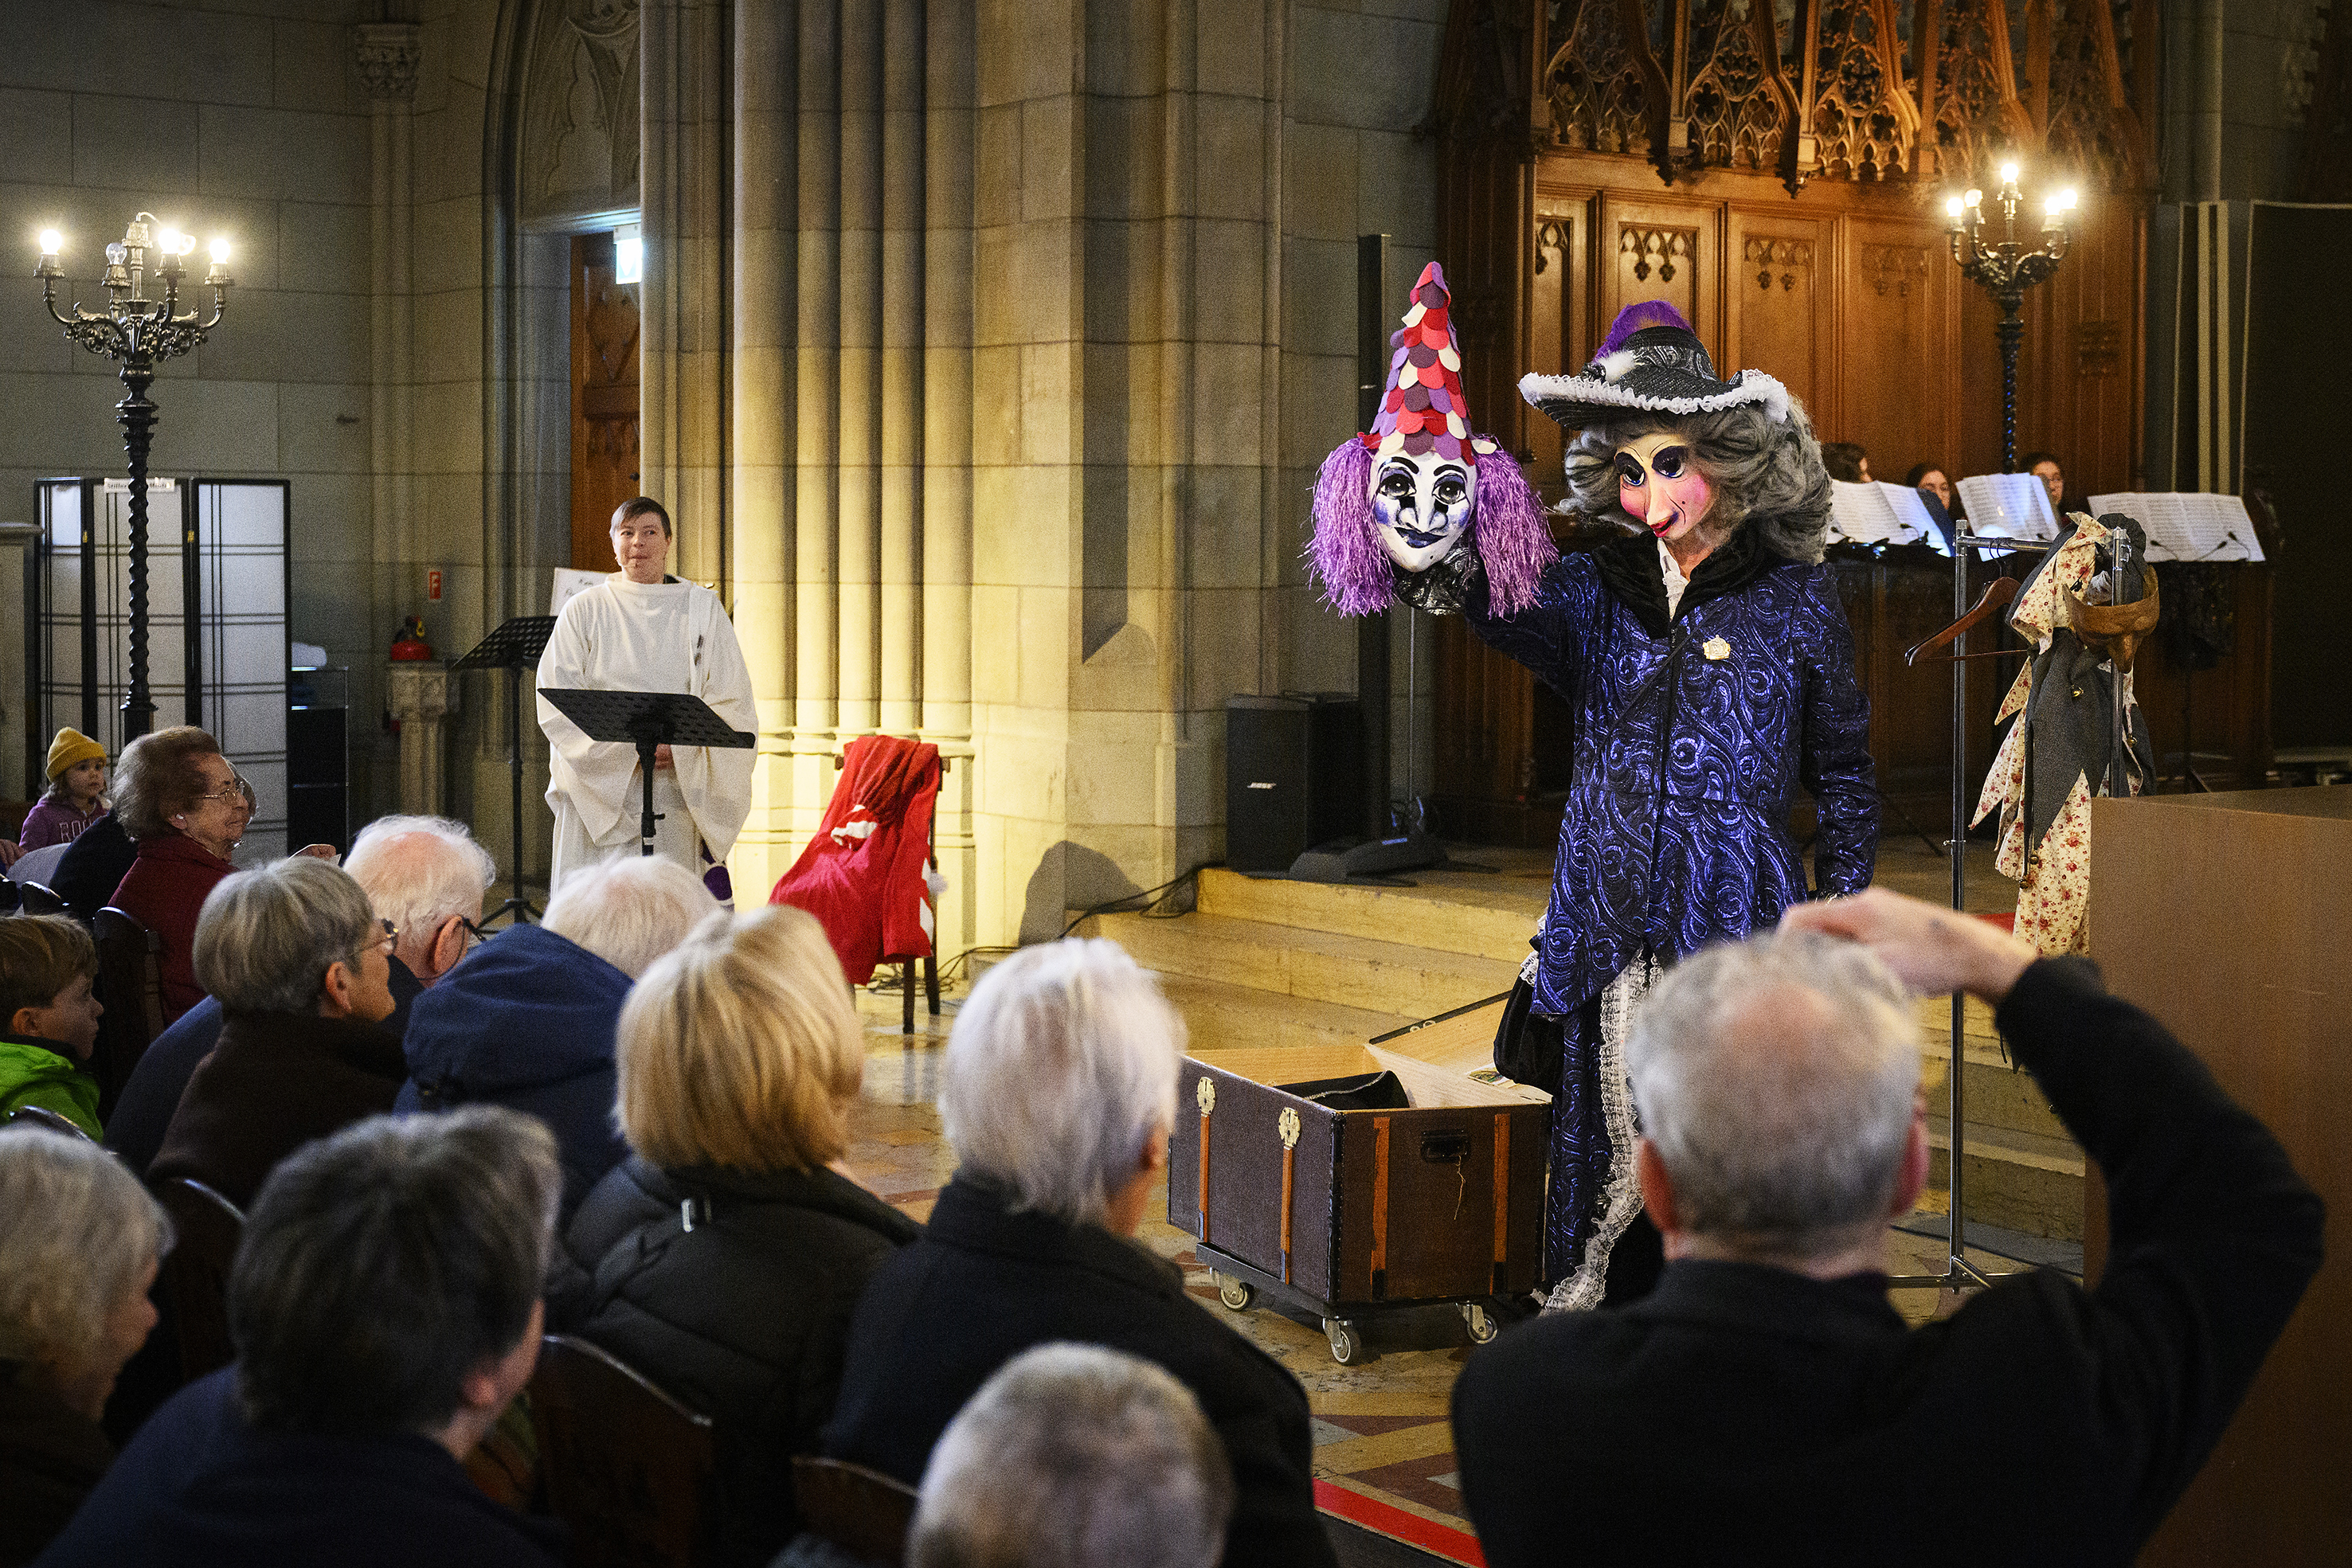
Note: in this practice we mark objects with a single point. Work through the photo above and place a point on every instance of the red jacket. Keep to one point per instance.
(165, 891)
(862, 875)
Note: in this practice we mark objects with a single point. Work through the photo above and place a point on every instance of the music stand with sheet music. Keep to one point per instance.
(516, 643)
(646, 720)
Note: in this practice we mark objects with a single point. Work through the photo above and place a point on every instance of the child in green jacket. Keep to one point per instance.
(48, 1019)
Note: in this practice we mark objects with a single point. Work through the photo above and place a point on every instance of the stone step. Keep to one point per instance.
(1484, 917)
(1993, 1093)
(1220, 1017)
(1322, 965)
(2018, 1180)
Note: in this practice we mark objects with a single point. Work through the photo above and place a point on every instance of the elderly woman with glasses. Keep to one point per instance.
(186, 809)
(302, 969)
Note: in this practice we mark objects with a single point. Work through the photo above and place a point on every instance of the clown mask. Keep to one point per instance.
(1658, 483)
(1422, 504)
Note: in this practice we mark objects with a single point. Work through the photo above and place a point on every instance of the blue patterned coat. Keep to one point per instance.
(1675, 831)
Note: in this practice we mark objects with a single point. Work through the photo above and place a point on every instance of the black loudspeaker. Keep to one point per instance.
(1294, 776)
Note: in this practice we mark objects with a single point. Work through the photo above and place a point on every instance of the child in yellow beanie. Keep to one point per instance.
(77, 796)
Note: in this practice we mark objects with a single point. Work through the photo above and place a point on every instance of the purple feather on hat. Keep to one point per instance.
(1634, 319)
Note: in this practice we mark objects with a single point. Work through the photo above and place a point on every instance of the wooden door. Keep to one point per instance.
(604, 399)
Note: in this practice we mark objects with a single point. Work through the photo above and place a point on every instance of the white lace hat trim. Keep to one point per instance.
(1750, 386)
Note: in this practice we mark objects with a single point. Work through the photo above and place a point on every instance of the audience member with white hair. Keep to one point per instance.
(526, 1020)
(301, 967)
(1766, 1399)
(77, 1255)
(424, 875)
(1057, 1096)
(385, 1308)
(1075, 1456)
(722, 1258)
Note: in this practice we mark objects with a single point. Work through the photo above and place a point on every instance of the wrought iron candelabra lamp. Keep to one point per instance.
(138, 333)
(2007, 269)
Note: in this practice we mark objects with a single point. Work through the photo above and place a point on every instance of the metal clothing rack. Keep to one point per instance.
(1959, 1272)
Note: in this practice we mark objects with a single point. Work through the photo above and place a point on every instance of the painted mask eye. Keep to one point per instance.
(1670, 462)
(1397, 483)
(1450, 491)
(1628, 469)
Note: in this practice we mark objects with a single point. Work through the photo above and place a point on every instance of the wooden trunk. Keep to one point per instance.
(1350, 1209)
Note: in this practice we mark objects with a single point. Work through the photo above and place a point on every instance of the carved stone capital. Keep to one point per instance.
(422, 688)
(389, 53)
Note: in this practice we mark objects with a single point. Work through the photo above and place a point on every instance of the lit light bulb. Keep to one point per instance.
(51, 242)
(1973, 197)
(2066, 199)
(220, 250)
(1952, 208)
(187, 245)
(169, 242)
(2009, 174)
(2054, 206)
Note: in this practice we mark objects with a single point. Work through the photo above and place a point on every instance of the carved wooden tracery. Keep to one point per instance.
(1863, 119)
(1737, 104)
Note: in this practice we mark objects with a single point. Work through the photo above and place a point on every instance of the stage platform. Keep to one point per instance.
(1272, 962)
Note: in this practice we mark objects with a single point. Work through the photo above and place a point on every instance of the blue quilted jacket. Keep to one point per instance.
(1691, 740)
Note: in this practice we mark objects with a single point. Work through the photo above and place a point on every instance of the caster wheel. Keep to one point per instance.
(1236, 1294)
(1480, 1322)
(1347, 1348)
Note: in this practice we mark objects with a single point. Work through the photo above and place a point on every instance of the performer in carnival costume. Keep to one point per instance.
(1708, 663)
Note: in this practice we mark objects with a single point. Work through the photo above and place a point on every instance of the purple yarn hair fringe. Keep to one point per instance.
(1344, 557)
(1514, 543)
(1632, 319)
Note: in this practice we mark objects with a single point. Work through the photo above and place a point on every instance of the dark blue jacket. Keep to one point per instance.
(525, 1020)
(199, 1487)
(1692, 739)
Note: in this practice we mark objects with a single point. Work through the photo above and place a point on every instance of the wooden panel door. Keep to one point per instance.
(1662, 250)
(1899, 376)
(604, 399)
(1777, 310)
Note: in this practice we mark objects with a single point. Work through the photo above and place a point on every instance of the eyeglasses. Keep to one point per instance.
(237, 791)
(391, 936)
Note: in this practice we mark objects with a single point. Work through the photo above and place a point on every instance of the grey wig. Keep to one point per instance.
(1759, 467)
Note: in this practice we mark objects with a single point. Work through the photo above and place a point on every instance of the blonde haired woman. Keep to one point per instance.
(78, 1256)
(723, 1256)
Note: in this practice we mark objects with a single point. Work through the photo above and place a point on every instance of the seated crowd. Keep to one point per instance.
(628, 1125)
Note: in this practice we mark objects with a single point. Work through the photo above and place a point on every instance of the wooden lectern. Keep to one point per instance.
(2227, 916)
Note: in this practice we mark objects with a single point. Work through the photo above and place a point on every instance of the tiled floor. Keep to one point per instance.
(1381, 1428)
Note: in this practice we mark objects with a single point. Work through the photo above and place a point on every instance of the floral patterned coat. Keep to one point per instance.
(1692, 737)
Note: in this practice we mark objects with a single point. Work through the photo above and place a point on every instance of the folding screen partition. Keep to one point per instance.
(217, 647)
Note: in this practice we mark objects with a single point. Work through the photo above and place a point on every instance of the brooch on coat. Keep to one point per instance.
(1716, 648)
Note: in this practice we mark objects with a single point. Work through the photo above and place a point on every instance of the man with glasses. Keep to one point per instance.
(302, 966)
(425, 874)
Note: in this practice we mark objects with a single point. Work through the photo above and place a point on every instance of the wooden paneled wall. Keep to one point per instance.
(1783, 187)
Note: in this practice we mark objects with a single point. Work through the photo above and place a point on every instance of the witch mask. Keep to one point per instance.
(1658, 483)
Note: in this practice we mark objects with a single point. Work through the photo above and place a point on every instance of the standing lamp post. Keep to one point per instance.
(138, 332)
(2007, 269)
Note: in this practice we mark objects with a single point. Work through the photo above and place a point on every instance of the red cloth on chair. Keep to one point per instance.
(862, 875)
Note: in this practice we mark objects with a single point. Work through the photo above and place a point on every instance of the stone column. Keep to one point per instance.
(900, 296)
(420, 694)
(388, 55)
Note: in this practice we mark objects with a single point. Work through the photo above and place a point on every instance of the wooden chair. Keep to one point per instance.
(195, 1273)
(42, 1116)
(865, 1512)
(39, 898)
(628, 1467)
(131, 986)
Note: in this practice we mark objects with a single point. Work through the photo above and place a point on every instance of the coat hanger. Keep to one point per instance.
(1997, 596)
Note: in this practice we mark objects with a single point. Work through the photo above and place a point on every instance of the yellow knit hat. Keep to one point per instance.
(71, 746)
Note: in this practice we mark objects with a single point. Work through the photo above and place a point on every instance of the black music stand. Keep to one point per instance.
(646, 720)
(516, 643)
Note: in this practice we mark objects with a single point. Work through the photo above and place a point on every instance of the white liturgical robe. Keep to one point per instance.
(629, 636)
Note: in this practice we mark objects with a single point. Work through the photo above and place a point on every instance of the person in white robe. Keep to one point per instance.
(642, 630)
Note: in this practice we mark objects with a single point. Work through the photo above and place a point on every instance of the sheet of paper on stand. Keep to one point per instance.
(2188, 525)
(308, 656)
(568, 583)
(2007, 507)
(1877, 514)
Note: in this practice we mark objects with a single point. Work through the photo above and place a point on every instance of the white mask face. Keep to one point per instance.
(1421, 504)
